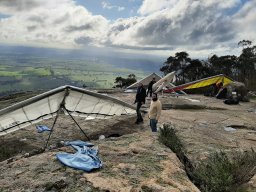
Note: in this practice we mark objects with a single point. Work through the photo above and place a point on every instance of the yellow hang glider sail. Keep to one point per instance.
(202, 83)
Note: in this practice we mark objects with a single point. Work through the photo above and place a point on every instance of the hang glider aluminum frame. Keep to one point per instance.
(66, 89)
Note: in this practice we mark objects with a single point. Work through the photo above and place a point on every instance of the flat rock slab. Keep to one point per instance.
(133, 162)
(136, 161)
(203, 132)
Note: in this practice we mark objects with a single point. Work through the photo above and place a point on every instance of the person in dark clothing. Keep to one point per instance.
(210, 92)
(222, 94)
(140, 100)
(218, 86)
(150, 86)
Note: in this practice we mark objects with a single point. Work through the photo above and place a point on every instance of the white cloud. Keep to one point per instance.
(199, 27)
(181, 24)
(222, 4)
(106, 5)
(19, 6)
(151, 6)
(196, 26)
(52, 23)
(245, 22)
(121, 8)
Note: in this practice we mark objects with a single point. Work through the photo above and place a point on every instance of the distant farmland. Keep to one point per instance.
(20, 73)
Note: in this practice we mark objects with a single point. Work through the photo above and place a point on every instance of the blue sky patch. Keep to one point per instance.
(112, 9)
(3, 16)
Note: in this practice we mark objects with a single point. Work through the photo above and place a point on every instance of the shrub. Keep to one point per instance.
(214, 174)
(223, 172)
(220, 172)
(169, 138)
(244, 166)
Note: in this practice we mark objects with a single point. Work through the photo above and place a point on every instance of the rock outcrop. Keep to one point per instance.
(133, 159)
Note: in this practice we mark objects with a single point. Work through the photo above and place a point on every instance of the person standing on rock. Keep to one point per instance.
(154, 112)
(140, 100)
(150, 87)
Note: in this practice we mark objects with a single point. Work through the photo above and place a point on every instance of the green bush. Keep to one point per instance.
(169, 138)
(244, 166)
(214, 174)
(223, 172)
(220, 172)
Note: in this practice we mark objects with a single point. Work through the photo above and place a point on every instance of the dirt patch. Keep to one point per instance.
(132, 162)
(12, 147)
(28, 140)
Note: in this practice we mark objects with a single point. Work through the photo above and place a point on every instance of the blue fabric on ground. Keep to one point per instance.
(42, 128)
(85, 158)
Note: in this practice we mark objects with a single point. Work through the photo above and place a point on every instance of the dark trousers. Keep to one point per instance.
(150, 92)
(139, 117)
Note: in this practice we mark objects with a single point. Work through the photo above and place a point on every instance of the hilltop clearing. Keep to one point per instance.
(133, 158)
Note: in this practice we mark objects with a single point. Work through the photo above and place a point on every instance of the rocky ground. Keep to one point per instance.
(132, 156)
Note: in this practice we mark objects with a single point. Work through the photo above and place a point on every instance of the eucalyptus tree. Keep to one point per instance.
(226, 64)
(247, 63)
(178, 63)
(197, 69)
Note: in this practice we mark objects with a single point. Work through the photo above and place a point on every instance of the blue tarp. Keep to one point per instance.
(85, 158)
(42, 128)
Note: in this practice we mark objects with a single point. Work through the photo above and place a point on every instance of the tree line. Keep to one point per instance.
(125, 82)
(240, 68)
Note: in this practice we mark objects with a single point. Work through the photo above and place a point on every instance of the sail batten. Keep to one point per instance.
(77, 101)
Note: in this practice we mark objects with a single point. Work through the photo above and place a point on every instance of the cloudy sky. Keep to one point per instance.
(161, 27)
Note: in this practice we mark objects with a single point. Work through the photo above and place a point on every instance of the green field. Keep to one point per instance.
(43, 73)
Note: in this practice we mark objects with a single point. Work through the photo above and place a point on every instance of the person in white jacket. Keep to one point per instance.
(154, 112)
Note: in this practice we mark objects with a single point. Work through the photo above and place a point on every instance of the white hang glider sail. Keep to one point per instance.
(75, 101)
(145, 81)
(165, 81)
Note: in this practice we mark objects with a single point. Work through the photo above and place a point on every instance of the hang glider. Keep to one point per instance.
(201, 83)
(145, 81)
(75, 101)
(163, 82)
